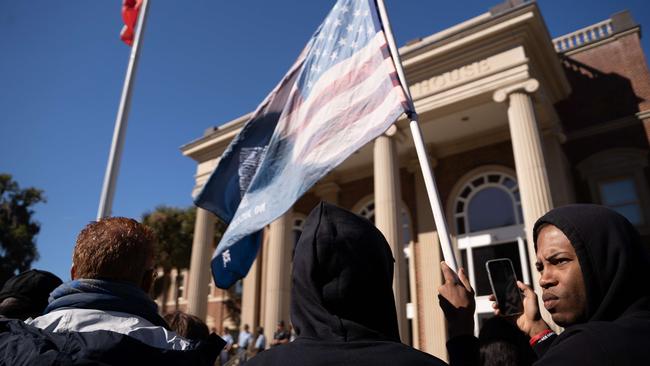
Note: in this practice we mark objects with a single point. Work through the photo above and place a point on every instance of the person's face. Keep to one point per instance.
(563, 289)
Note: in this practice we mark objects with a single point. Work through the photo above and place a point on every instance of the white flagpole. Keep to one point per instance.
(427, 173)
(110, 177)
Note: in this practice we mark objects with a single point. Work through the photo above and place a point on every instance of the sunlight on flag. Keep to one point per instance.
(340, 94)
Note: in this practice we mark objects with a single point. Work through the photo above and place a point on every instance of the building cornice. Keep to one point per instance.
(215, 140)
(521, 26)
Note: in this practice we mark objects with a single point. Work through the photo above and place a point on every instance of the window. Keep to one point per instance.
(621, 196)
(368, 211)
(617, 179)
(490, 200)
(239, 288)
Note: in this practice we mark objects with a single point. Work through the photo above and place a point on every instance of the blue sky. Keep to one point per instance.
(203, 62)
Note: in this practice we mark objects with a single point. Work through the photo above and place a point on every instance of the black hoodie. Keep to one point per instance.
(342, 303)
(616, 271)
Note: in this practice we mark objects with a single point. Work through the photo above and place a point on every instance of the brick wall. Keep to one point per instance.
(609, 81)
(610, 84)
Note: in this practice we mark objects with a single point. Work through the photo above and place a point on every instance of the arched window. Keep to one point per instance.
(488, 222)
(487, 201)
(368, 211)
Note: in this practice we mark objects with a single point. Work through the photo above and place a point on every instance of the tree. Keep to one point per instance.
(17, 229)
(174, 228)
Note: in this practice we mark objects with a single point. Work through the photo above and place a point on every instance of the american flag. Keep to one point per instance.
(341, 93)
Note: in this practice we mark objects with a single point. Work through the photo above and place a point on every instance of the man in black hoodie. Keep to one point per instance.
(595, 279)
(342, 303)
(595, 276)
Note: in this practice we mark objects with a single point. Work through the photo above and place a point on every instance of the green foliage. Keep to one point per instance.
(17, 229)
(174, 228)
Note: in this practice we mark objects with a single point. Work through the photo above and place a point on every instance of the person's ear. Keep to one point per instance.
(73, 271)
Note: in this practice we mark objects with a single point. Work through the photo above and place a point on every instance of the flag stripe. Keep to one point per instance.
(341, 95)
(355, 96)
(341, 123)
(327, 85)
(356, 132)
(344, 110)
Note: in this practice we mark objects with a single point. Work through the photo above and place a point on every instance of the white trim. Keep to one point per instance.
(468, 177)
(491, 236)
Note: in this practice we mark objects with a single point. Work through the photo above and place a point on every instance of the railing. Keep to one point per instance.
(583, 36)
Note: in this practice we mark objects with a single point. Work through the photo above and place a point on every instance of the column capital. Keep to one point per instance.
(528, 86)
(391, 131)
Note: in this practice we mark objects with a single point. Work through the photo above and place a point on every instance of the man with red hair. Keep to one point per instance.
(104, 314)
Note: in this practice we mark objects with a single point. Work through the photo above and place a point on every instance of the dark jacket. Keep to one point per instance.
(342, 304)
(23, 344)
(616, 271)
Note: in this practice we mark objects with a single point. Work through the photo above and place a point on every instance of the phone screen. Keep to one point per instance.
(504, 286)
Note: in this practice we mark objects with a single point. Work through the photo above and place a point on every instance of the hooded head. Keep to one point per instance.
(613, 263)
(342, 279)
(25, 295)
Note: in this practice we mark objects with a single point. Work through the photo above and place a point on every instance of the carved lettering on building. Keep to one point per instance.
(450, 78)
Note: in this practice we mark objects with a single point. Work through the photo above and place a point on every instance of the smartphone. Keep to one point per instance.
(503, 280)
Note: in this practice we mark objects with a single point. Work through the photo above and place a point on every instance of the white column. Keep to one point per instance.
(199, 277)
(278, 274)
(264, 257)
(388, 219)
(250, 300)
(529, 161)
(432, 320)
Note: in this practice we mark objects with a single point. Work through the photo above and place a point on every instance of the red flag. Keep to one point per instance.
(130, 11)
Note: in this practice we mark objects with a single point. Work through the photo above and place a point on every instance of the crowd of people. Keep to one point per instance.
(593, 274)
(249, 345)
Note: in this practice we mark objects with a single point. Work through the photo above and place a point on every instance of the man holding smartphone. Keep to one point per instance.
(594, 278)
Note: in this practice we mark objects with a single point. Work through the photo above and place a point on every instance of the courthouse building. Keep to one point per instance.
(515, 123)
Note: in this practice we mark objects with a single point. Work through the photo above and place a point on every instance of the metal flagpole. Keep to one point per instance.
(110, 177)
(427, 173)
